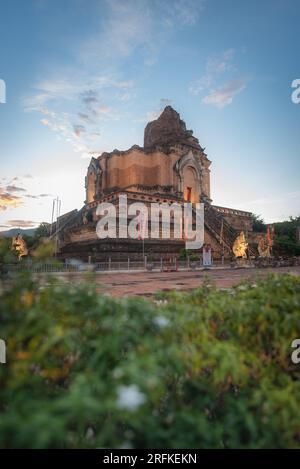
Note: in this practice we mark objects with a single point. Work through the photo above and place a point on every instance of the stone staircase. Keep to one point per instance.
(71, 219)
(213, 222)
(216, 224)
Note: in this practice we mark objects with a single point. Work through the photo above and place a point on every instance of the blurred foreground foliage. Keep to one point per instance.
(207, 369)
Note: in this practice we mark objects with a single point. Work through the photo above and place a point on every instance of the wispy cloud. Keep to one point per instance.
(75, 112)
(79, 130)
(9, 201)
(154, 114)
(12, 196)
(276, 198)
(21, 223)
(139, 25)
(208, 85)
(180, 13)
(8, 197)
(224, 95)
(213, 68)
(277, 206)
(164, 102)
(125, 96)
(13, 188)
(31, 196)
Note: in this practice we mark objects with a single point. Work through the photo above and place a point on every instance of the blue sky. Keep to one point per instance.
(86, 76)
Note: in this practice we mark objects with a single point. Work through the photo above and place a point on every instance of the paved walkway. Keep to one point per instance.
(148, 283)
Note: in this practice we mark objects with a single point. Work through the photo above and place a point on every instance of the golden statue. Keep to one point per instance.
(263, 246)
(18, 244)
(240, 246)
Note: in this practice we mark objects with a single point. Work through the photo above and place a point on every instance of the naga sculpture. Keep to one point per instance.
(18, 244)
(263, 247)
(240, 246)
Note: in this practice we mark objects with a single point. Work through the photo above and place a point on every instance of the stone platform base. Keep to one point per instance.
(120, 250)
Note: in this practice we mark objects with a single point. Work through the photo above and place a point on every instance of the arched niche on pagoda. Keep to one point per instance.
(189, 174)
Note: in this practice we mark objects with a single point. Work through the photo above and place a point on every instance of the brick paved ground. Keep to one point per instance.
(147, 283)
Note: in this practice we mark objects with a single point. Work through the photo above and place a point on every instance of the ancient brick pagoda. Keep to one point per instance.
(170, 167)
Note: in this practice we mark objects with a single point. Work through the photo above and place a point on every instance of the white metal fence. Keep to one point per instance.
(170, 264)
(163, 264)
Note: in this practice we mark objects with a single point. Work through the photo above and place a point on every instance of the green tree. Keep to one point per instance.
(259, 225)
(42, 231)
(7, 255)
(286, 242)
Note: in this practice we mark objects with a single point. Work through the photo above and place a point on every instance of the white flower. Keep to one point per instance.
(117, 373)
(130, 397)
(126, 445)
(90, 434)
(161, 321)
(161, 302)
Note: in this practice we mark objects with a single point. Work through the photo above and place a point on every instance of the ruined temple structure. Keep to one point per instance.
(170, 167)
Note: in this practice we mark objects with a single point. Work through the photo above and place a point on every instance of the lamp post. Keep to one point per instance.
(56, 207)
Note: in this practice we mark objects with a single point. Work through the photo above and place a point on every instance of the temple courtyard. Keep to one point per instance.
(146, 284)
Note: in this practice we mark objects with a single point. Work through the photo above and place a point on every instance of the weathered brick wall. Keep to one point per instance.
(137, 167)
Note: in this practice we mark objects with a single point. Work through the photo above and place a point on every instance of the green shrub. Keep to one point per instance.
(207, 369)
(7, 255)
(185, 254)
